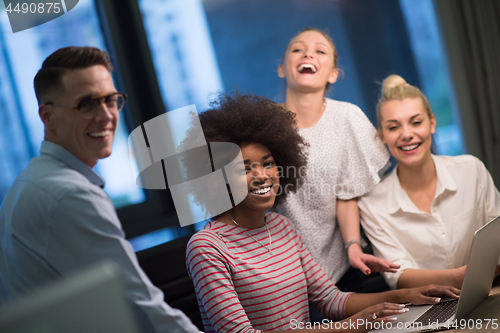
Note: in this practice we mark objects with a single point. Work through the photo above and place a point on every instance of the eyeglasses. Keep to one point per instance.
(89, 107)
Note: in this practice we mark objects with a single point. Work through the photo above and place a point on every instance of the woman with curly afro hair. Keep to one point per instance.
(244, 119)
(250, 269)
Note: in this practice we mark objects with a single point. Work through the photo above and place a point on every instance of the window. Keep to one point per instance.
(427, 49)
(21, 56)
(178, 53)
(187, 73)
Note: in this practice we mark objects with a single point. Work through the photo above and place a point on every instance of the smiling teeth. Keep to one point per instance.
(99, 134)
(262, 191)
(312, 67)
(410, 147)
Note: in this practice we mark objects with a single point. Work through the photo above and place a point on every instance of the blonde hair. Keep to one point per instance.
(394, 87)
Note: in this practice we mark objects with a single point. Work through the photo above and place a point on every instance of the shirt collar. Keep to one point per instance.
(396, 194)
(61, 154)
(398, 198)
(445, 180)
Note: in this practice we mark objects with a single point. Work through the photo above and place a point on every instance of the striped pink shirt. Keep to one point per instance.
(241, 287)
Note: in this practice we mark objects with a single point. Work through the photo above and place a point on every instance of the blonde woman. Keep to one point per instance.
(424, 214)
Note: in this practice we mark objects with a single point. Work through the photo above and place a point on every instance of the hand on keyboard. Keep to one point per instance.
(430, 294)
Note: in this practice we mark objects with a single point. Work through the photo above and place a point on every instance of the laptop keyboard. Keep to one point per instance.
(440, 313)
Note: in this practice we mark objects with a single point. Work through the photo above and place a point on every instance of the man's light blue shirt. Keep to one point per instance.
(57, 219)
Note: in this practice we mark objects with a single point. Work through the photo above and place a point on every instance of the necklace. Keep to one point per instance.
(269, 233)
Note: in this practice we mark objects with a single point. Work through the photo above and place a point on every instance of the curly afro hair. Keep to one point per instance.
(243, 119)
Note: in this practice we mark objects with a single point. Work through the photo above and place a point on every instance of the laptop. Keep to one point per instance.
(91, 301)
(478, 279)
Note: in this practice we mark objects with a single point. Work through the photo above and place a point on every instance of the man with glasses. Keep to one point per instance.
(56, 218)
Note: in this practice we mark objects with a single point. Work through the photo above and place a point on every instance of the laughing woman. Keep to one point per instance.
(250, 269)
(424, 214)
(344, 160)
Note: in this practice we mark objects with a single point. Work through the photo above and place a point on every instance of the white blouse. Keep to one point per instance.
(465, 200)
(344, 158)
